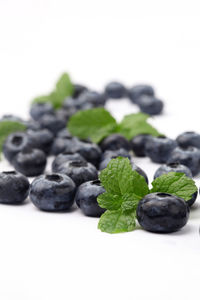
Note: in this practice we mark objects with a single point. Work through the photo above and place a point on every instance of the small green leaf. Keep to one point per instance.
(94, 123)
(110, 201)
(130, 202)
(176, 184)
(119, 178)
(8, 127)
(135, 124)
(117, 221)
(64, 88)
(124, 189)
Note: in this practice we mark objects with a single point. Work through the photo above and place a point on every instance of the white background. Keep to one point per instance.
(64, 256)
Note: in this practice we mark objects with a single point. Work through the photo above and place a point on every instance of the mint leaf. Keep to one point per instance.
(64, 88)
(8, 127)
(110, 201)
(124, 189)
(176, 184)
(129, 202)
(135, 124)
(117, 221)
(94, 123)
(119, 178)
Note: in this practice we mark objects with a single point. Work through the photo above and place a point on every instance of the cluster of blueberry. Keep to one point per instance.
(77, 162)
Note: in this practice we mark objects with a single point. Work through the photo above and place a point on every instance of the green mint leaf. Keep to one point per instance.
(110, 201)
(64, 88)
(119, 178)
(124, 189)
(176, 184)
(135, 124)
(117, 221)
(8, 127)
(129, 202)
(95, 124)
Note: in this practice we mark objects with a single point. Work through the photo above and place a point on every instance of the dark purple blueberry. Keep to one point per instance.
(64, 133)
(159, 149)
(162, 213)
(15, 143)
(115, 142)
(52, 123)
(192, 200)
(189, 157)
(38, 110)
(91, 97)
(78, 90)
(189, 138)
(150, 105)
(108, 155)
(30, 162)
(63, 114)
(62, 158)
(64, 144)
(91, 152)
(173, 167)
(40, 139)
(54, 192)
(86, 198)
(79, 171)
(140, 90)
(14, 187)
(138, 144)
(115, 90)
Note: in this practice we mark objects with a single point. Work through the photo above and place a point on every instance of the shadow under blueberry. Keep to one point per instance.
(66, 211)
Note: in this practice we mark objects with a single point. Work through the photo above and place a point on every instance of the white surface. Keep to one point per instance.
(64, 256)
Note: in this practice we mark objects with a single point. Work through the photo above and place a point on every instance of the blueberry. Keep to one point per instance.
(30, 162)
(64, 114)
(14, 187)
(190, 157)
(173, 167)
(138, 144)
(71, 104)
(52, 123)
(150, 105)
(86, 198)
(192, 200)
(40, 139)
(94, 98)
(114, 142)
(140, 171)
(90, 151)
(64, 133)
(63, 158)
(162, 213)
(187, 139)
(53, 192)
(115, 90)
(38, 110)
(65, 144)
(32, 125)
(159, 148)
(79, 171)
(109, 154)
(15, 143)
(140, 90)
(78, 90)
